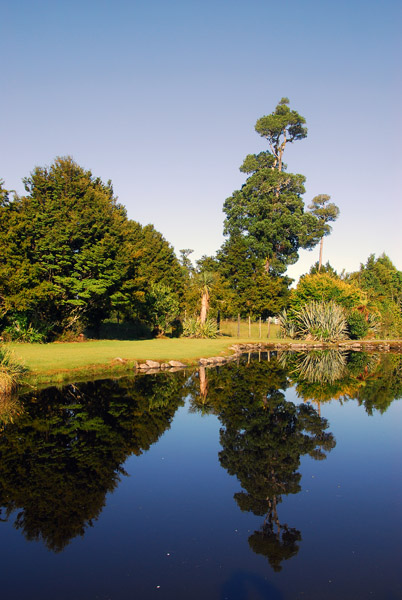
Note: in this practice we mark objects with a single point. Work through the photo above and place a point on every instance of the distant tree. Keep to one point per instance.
(268, 211)
(327, 268)
(156, 263)
(326, 212)
(185, 260)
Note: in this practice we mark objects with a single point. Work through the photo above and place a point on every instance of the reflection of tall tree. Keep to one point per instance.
(263, 437)
(65, 452)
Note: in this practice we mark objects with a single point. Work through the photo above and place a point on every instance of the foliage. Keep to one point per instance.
(156, 263)
(20, 330)
(193, 328)
(325, 287)
(358, 325)
(162, 307)
(61, 247)
(11, 371)
(326, 268)
(287, 326)
(382, 283)
(324, 321)
(70, 258)
(251, 289)
(281, 127)
(325, 211)
(268, 211)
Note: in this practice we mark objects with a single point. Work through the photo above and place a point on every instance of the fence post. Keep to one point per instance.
(238, 325)
(269, 326)
(260, 327)
(249, 326)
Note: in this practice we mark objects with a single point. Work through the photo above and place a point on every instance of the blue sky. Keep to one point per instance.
(162, 98)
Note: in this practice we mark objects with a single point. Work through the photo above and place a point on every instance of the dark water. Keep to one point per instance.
(278, 478)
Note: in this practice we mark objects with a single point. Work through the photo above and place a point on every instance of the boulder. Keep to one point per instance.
(176, 363)
(152, 364)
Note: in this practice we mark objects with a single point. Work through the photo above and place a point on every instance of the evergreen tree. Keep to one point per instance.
(62, 246)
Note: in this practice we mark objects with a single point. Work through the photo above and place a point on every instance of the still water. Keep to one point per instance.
(275, 478)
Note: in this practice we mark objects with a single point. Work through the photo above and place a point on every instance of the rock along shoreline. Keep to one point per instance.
(153, 366)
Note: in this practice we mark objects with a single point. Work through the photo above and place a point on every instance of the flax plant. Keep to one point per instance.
(322, 321)
(10, 372)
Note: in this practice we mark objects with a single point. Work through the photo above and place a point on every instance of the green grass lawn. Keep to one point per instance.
(50, 359)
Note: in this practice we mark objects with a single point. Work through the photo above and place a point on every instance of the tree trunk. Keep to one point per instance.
(204, 306)
(203, 383)
(320, 259)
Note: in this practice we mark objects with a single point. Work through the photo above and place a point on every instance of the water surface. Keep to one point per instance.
(278, 477)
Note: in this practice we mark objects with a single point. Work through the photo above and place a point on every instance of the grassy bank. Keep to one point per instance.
(66, 361)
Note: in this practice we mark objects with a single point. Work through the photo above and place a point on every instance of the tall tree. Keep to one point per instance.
(268, 211)
(326, 212)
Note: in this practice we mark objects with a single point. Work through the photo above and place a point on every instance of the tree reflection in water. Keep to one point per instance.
(263, 437)
(65, 452)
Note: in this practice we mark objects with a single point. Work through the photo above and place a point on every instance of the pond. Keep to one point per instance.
(277, 477)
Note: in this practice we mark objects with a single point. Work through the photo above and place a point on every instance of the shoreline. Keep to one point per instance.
(119, 366)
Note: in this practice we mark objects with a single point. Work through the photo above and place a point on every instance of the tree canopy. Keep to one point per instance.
(69, 256)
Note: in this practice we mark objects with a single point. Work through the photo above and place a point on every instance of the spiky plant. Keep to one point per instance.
(323, 321)
(323, 367)
(10, 371)
(287, 327)
(193, 327)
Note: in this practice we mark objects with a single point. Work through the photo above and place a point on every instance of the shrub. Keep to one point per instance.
(287, 327)
(324, 321)
(10, 371)
(162, 307)
(325, 287)
(21, 330)
(358, 325)
(193, 328)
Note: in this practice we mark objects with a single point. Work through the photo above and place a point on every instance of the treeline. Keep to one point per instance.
(70, 258)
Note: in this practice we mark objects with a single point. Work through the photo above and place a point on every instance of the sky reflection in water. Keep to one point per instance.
(240, 482)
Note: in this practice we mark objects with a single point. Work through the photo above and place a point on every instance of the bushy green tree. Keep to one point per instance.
(325, 287)
(69, 257)
(62, 247)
